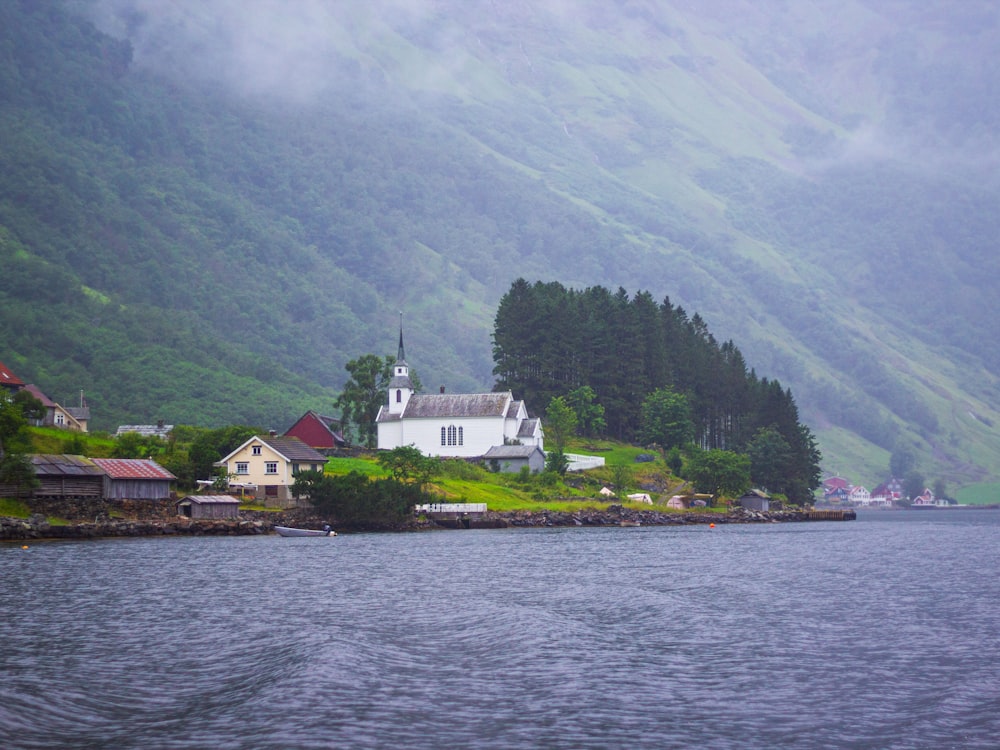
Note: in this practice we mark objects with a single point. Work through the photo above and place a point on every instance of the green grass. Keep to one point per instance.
(979, 494)
(13, 508)
(55, 440)
(367, 466)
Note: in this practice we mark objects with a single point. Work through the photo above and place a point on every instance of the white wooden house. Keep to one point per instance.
(269, 465)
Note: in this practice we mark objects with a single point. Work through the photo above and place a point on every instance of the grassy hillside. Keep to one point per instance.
(205, 222)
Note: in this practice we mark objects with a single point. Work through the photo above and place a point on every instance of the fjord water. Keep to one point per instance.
(878, 633)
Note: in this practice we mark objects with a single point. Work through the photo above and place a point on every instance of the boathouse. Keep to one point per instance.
(209, 506)
(134, 479)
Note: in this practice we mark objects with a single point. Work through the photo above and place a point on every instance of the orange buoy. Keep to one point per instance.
(24, 546)
(711, 526)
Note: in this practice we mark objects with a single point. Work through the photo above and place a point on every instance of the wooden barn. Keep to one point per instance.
(67, 476)
(317, 431)
(134, 479)
(209, 506)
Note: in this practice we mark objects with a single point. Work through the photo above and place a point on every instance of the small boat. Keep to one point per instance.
(289, 531)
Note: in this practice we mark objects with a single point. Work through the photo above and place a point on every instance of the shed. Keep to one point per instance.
(678, 502)
(511, 458)
(209, 506)
(754, 500)
(134, 479)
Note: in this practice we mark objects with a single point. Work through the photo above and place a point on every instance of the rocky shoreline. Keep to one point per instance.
(37, 526)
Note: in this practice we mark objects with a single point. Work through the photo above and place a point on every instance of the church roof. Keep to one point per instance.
(401, 381)
(527, 428)
(424, 406)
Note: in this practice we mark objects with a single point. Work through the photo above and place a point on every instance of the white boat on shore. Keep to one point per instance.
(289, 531)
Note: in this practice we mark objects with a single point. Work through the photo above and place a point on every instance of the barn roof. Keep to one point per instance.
(54, 464)
(133, 468)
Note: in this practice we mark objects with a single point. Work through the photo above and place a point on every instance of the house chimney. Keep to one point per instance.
(159, 423)
(442, 389)
(272, 433)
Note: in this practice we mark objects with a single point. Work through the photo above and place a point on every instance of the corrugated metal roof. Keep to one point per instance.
(457, 405)
(52, 464)
(133, 468)
(512, 451)
(8, 378)
(160, 430)
(210, 500)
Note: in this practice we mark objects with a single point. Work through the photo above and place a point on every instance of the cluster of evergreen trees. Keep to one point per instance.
(550, 341)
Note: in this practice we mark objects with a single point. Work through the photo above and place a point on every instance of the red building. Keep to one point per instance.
(318, 432)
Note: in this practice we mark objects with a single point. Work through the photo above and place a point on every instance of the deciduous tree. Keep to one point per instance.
(363, 395)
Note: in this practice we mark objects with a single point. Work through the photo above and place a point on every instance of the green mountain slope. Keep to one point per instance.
(242, 198)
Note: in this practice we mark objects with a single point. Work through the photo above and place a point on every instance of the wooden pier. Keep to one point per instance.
(833, 515)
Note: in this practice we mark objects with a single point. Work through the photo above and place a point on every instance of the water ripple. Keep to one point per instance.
(872, 634)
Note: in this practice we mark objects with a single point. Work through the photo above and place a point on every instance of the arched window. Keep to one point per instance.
(460, 436)
(442, 436)
(399, 395)
(452, 435)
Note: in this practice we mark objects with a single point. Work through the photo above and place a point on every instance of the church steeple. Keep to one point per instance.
(400, 387)
(401, 355)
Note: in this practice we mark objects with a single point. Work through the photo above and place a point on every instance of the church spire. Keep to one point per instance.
(401, 355)
(400, 387)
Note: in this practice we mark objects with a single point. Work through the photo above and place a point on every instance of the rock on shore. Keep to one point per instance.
(617, 515)
(37, 527)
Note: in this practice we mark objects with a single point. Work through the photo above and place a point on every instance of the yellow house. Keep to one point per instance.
(268, 466)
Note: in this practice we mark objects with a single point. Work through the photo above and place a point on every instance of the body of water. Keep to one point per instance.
(878, 633)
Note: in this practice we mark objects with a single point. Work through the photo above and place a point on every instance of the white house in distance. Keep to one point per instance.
(465, 425)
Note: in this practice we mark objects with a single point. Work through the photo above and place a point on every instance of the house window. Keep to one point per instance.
(295, 469)
(271, 467)
(443, 433)
(242, 467)
(256, 450)
(60, 419)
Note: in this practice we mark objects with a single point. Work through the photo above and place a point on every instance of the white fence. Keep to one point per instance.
(451, 508)
(582, 463)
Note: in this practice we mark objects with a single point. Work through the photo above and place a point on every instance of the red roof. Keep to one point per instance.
(8, 378)
(132, 468)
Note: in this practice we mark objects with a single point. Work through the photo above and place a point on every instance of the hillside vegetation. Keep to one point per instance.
(208, 210)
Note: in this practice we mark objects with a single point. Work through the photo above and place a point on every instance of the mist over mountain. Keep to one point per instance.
(816, 179)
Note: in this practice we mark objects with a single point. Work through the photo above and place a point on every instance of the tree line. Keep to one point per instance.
(659, 375)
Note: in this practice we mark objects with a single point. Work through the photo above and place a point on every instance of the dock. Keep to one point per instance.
(459, 515)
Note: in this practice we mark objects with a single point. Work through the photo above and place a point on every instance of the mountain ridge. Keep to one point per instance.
(647, 145)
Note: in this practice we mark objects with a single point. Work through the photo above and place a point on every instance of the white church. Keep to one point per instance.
(493, 426)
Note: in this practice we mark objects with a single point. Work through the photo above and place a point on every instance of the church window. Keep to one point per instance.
(443, 433)
(461, 430)
(399, 395)
(453, 435)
